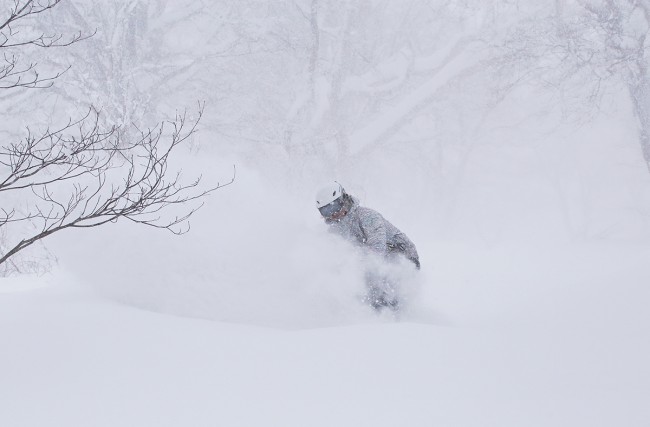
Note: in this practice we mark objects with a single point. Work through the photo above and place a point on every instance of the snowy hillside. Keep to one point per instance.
(561, 342)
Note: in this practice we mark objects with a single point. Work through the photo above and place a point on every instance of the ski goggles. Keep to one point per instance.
(331, 208)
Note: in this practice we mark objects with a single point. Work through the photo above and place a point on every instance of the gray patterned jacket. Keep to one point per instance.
(369, 229)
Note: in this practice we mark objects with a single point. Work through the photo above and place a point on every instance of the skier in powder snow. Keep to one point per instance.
(370, 230)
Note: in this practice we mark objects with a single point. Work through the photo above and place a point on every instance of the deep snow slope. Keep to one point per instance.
(573, 353)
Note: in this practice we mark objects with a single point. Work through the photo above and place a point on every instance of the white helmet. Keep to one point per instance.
(328, 194)
(330, 200)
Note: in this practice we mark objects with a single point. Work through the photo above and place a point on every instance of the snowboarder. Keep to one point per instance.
(368, 229)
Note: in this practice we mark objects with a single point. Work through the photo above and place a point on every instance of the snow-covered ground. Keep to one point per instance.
(520, 348)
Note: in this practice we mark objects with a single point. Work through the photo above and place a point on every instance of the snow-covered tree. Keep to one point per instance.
(582, 50)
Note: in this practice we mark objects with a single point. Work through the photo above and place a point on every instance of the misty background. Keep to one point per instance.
(473, 126)
(478, 128)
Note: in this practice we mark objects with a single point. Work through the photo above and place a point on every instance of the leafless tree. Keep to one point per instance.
(15, 34)
(580, 49)
(83, 174)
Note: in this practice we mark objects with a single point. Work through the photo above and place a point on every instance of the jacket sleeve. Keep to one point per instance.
(374, 229)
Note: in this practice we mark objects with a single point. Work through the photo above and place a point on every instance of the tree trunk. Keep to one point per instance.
(640, 94)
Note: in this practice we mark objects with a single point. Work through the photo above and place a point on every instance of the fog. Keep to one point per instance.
(456, 122)
(533, 213)
(421, 130)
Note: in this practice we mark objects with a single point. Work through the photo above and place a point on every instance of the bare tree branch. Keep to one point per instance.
(101, 178)
(13, 37)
